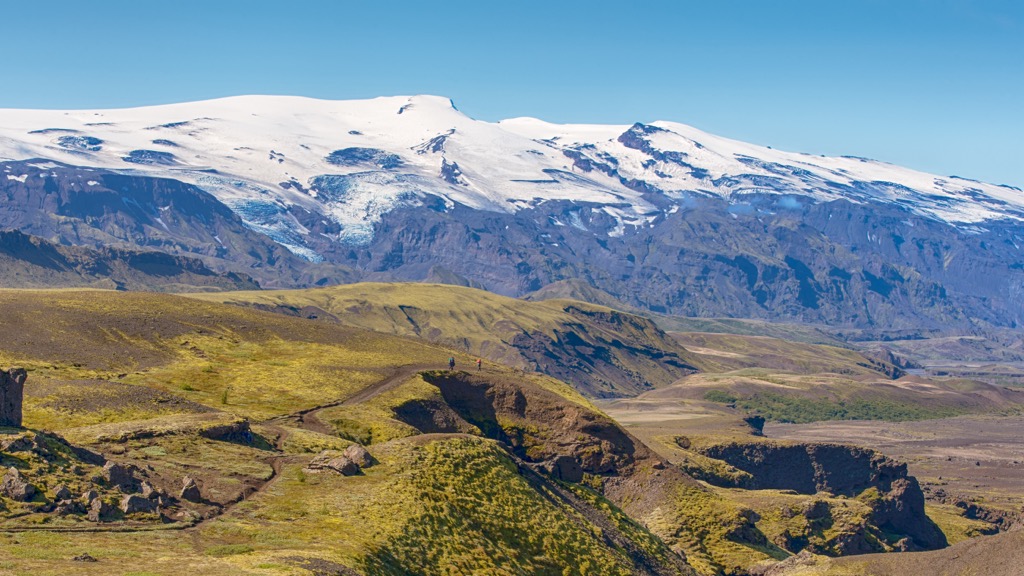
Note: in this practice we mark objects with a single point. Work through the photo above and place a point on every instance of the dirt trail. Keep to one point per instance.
(308, 418)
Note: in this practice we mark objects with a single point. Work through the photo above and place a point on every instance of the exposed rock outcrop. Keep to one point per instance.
(121, 476)
(134, 503)
(12, 392)
(894, 496)
(99, 511)
(33, 262)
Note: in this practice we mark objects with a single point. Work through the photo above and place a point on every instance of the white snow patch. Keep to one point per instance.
(21, 178)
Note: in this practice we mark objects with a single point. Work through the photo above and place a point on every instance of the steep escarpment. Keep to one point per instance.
(895, 497)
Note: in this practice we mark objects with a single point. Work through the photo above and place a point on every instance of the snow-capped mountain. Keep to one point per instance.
(341, 182)
(355, 160)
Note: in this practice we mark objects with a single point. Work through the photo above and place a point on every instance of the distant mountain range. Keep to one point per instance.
(659, 216)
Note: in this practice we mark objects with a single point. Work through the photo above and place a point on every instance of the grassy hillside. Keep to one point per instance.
(497, 471)
(242, 400)
(726, 352)
(602, 352)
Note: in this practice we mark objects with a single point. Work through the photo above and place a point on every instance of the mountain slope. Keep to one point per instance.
(603, 352)
(31, 262)
(658, 216)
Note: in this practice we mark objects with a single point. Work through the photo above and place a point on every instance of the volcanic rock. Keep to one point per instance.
(12, 390)
(15, 487)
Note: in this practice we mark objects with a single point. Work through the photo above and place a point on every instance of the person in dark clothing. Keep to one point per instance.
(451, 363)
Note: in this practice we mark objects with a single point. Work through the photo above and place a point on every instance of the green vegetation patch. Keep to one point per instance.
(800, 410)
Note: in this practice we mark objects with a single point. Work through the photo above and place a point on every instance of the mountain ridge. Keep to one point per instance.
(659, 216)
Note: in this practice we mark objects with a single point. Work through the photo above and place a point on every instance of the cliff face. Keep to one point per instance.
(895, 497)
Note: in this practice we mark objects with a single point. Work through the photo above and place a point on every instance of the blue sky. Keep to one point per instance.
(936, 85)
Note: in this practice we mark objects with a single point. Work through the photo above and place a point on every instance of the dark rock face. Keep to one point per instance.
(565, 468)
(150, 157)
(814, 263)
(12, 393)
(840, 470)
(101, 209)
(591, 361)
(362, 156)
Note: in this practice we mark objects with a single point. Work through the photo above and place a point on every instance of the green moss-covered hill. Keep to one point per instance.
(601, 351)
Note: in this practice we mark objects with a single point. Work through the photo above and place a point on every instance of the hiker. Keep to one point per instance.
(479, 363)
(451, 363)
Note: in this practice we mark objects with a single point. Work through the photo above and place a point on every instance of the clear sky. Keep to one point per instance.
(931, 84)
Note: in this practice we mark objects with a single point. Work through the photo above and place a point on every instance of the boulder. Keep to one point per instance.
(12, 390)
(89, 495)
(358, 454)
(121, 476)
(61, 492)
(99, 511)
(68, 507)
(133, 503)
(149, 491)
(331, 460)
(15, 487)
(190, 490)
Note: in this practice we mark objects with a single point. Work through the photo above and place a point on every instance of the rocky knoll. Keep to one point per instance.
(895, 497)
